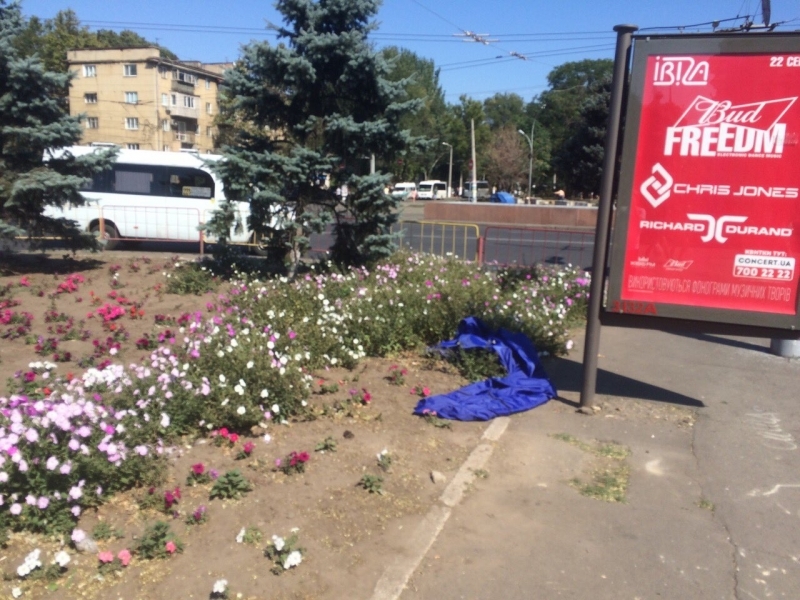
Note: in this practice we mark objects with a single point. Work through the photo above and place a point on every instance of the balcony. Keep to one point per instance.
(183, 111)
(184, 137)
(181, 86)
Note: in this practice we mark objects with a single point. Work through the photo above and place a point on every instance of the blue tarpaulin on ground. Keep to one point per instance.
(503, 198)
(525, 386)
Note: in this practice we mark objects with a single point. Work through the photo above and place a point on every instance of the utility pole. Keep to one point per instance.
(474, 195)
(530, 162)
(450, 172)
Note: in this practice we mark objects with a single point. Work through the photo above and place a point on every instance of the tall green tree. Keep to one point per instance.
(432, 120)
(504, 110)
(560, 106)
(582, 158)
(52, 38)
(33, 126)
(320, 104)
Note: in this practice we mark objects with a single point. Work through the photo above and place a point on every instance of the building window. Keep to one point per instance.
(92, 123)
(165, 124)
(90, 70)
(188, 101)
(132, 97)
(174, 100)
(129, 70)
(131, 123)
(166, 147)
(133, 146)
(208, 84)
(90, 98)
(209, 108)
(209, 131)
(164, 99)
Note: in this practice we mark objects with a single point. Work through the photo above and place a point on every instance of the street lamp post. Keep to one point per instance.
(450, 172)
(530, 161)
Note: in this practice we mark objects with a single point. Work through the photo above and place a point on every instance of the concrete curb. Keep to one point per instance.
(395, 577)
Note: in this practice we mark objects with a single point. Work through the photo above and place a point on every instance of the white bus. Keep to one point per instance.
(149, 195)
(431, 190)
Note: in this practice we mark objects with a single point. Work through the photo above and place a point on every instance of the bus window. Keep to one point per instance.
(129, 179)
(190, 183)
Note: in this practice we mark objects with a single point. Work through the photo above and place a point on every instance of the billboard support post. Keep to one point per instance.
(592, 342)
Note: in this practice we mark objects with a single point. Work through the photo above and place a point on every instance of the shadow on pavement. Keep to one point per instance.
(715, 339)
(567, 375)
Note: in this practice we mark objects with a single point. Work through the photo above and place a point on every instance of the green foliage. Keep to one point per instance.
(581, 158)
(476, 364)
(230, 486)
(191, 278)
(372, 483)
(252, 535)
(34, 123)
(283, 553)
(52, 38)
(155, 540)
(316, 104)
(326, 445)
(105, 531)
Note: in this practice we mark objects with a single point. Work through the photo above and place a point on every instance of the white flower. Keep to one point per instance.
(241, 410)
(265, 393)
(294, 559)
(250, 364)
(234, 343)
(16, 592)
(220, 585)
(278, 542)
(240, 536)
(276, 409)
(62, 559)
(239, 390)
(267, 438)
(222, 378)
(164, 420)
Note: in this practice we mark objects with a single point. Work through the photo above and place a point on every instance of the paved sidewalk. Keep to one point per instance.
(713, 507)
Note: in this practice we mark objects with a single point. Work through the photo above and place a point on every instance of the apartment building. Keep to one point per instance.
(136, 99)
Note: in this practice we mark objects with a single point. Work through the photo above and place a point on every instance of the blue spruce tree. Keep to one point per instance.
(34, 173)
(311, 111)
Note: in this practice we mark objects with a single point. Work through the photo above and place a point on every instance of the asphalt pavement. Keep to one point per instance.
(713, 501)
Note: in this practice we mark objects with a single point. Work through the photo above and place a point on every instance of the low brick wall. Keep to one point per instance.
(520, 215)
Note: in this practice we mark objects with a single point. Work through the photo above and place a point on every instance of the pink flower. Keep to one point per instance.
(171, 547)
(105, 557)
(124, 557)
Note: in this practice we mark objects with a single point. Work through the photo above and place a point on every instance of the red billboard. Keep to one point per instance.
(714, 212)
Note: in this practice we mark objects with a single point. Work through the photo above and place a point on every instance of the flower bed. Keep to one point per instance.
(248, 359)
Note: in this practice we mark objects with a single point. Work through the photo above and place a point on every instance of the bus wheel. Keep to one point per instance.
(110, 232)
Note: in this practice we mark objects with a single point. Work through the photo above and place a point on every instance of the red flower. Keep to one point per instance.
(234, 438)
(198, 469)
(171, 547)
(248, 448)
(223, 432)
(30, 376)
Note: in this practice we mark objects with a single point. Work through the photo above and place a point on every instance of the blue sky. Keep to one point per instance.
(549, 33)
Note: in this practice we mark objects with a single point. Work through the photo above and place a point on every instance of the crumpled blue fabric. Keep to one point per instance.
(525, 386)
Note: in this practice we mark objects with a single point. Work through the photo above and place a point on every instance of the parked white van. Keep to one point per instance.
(431, 190)
(155, 196)
(482, 190)
(404, 190)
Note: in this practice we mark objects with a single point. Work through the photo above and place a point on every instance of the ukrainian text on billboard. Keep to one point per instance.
(715, 204)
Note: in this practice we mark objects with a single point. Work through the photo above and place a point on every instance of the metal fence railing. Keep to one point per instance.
(461, 240)
(529, 246)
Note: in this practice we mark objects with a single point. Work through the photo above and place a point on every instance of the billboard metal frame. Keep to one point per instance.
(735, 322)
(627, 90)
